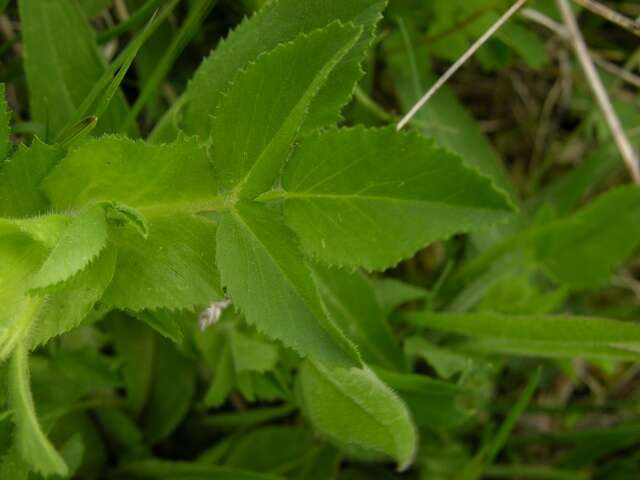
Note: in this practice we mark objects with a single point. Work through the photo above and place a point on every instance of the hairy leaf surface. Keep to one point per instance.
(80, 243)
(270, 283)
(371, 198)
(156, 179)
(20, 179)
(67, 306)
(279, 22)
(31, 441)
(354, 407)
(173, 268)
(260, 115)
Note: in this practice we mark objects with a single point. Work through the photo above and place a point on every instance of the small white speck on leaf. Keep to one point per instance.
(212, 313)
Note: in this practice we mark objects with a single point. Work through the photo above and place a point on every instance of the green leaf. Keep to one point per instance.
(446, 119)
(165, 322)
(67, 306)
(474, 470)
(539, 335)
(172, 388)
(260, 116)
(434, 404)
(174, 268)
(135, 345)
(280, 22)
(20, 178)
(5, 117)
(582, 250)
(392, 293)
(79, 244)
(354, 407)
(371, 198)
(446, 362)
(271, 449)
(62, 63)
(250, 354)
(31, 441)
(268, 281)
(352, 304)
(155, 179)
(19, 259)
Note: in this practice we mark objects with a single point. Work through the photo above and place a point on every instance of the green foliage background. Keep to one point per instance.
(220, 260)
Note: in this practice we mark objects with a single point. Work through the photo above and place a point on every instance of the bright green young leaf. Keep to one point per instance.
(539, 335)
(5, 141)
(280, 22)
(262, 112)
(354, 407)
(352, 304)
(371, 198)
(20, 178)
(31, 441)
(156, 179)
(582, 250)
(79, 244)
(268, 280)
(69, 304)
(173, 268)
(19, 259)
(62, 64)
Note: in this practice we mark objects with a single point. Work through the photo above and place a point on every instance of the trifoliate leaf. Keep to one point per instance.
(371, 198)
(20, 178)
(352, 304)
(31, 441)
(268, 280)
(583, 249)
(260, 116)
(62, 64)
(354, 407)
(173, 268)
(155, 179)
(66, 307)
(280, 22)
(5, 141)
(80, 243)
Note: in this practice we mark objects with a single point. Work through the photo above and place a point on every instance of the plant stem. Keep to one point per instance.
(461, 61)
(602, 97)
